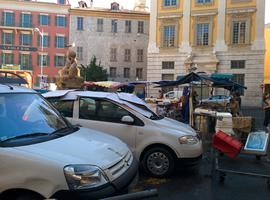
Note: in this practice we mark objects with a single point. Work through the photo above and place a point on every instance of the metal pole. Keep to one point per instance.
(41, 60)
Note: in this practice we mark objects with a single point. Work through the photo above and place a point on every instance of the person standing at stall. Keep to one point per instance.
(266, 122)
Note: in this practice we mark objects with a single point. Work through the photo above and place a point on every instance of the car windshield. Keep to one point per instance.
(27, 114)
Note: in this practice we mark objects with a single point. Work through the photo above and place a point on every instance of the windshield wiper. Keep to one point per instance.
(63, 131)
(25, 136)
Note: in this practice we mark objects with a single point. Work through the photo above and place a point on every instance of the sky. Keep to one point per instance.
(129, 4)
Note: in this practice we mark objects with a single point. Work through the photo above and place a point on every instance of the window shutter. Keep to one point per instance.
(248, 29)
(49, 38)
(12, 59)
(13, 19)
(55, 21)
(20, 59)
(55, 40)
(39, 19)
(21, 19)
(49, 20)
(20, 39)
(38, 40)
(55, 61)
(1, 56)
(65, 42)
(2, 38)
(48, 60)
(38, 60)
(31, 37)
(12, 38)
(30, 61)
(231, 32)
(31, 20)
(3, 18)
(65, 21)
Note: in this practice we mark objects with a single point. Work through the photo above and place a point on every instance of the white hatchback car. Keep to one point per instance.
(158, 143)
(43, 156)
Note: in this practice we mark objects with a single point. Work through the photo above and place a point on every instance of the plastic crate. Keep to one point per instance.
(226, 144)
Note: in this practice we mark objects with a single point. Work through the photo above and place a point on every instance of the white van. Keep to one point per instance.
(173, 94)
(43, 156)
(158, 143)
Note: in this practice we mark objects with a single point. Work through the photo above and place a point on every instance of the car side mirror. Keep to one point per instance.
(127, 119)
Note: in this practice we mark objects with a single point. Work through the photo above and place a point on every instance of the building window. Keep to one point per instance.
(60, 41)
(44, 20)
(112, 72)
(139, 73)
(169, 2)
(128, 26)
(7, 38)
(8, 19)
(25, 61)
(204, 1)
(59, 61)
(8, 58)
(202, 34)
(79, 23)
(113, 55)
(60, 21)
(238, 64)
(167, 65)
(46, 41)
(167, 77)
(99, 25)
(127, 55)
(139, 55)
(126, 72)
(45, 61)
(239, 32)
(169, 36)
(26, 20)
(240, 79)
(80, 53)
(114, 26)
(25, 39)
(140, 27)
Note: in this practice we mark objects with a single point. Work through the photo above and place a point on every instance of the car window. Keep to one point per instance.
(64, 107)
(102, 110)
(87, 109)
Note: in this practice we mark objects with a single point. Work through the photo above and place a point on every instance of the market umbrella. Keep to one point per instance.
(109, 84)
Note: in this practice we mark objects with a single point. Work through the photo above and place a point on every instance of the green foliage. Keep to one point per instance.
(93, 72)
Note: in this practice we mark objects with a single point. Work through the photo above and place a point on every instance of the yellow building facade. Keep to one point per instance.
(224, 36)
(267, 58)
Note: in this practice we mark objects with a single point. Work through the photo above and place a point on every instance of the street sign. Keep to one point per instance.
(11, 67)
(19, 48)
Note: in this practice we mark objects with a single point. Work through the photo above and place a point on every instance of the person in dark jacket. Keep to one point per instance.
(266, 122)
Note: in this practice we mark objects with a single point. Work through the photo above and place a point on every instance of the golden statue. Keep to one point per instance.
(69, 76)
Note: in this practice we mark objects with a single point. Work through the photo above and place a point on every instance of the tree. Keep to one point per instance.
(94, 72)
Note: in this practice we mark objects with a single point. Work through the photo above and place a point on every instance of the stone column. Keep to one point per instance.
(258, 43)
(185, 46)
(152, 47)
(220, 44)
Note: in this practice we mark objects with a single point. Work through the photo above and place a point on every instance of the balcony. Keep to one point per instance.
(17, 26)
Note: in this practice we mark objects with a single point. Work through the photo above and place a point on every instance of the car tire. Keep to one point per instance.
(158, 162)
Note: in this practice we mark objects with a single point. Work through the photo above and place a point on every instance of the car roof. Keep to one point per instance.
(14, 89)
(74, 94)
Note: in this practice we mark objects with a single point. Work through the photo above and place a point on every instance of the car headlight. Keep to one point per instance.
(84, 176)
(188, 139)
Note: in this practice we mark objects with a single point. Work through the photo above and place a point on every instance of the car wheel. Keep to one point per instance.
(158, 162)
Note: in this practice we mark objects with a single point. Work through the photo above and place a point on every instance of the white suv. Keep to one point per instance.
(158, 143)
(43, 156)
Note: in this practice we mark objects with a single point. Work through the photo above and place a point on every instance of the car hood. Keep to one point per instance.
(181, 128)
(85, 146)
